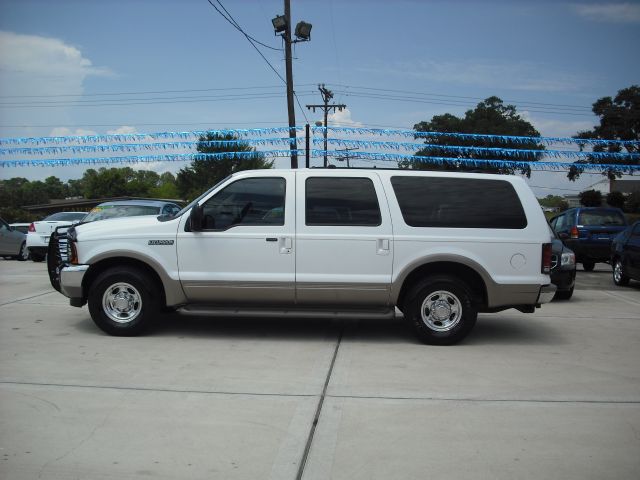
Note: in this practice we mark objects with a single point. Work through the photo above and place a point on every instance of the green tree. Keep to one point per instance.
(632, 205)
(616, 199)
(55, 188)
(204, 173)
(166, 187)
(619, 120)
(490, 117)
(591, 198)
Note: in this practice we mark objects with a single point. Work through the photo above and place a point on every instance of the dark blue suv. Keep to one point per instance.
(588, 231)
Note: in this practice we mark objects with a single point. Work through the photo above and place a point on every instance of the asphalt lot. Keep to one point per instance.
(555, 394)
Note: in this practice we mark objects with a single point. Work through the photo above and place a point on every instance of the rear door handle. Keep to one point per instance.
(272, 239)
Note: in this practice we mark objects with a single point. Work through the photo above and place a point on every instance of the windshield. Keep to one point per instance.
(103, 212)
(66, 216)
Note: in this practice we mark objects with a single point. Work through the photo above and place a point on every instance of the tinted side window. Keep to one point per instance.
(458, 203)
(341, 201)
(251, 201)
(560, 224)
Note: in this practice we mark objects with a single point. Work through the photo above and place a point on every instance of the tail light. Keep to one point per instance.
(32, 228)
(574, 232)
(546, 258)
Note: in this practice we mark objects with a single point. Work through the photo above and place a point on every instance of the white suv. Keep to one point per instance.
(319, 243)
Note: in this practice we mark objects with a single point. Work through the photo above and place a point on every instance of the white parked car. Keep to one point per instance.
(441, 247)
(39, 232)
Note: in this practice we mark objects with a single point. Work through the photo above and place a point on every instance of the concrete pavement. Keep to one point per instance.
(555, 394)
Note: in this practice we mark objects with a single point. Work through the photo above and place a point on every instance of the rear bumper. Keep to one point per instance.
(546, 294)
(71, 281)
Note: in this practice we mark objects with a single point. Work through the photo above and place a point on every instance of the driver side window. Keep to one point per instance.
(250, 201)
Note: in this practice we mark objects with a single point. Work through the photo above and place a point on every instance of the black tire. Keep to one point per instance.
(619, 278)
(23, 254)
(457, 313)
(588, 266)
(564, 295)
(123, 301)
(37, 257)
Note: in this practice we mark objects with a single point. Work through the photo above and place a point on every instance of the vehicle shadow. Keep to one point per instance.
(488, 330)
(515, 331)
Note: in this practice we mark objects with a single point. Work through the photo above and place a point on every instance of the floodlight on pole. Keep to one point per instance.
(279, 24)
(303, 31)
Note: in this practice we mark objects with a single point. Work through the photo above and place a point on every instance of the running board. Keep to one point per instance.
(226, 311)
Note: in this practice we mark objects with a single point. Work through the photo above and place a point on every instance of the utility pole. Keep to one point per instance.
(290, 106)
(326, 96)
(282, 26)
(346, 157)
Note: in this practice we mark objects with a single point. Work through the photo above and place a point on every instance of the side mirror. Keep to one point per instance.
(195, 218)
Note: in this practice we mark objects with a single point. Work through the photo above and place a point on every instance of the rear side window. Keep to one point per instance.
(601, 218)
(341, 202)
(458, 203)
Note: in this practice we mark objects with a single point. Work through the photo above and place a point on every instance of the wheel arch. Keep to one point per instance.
(453, 267)
(97, 268)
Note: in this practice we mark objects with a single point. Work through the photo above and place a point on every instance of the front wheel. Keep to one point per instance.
(123, 301)
(441, 310)
(24, 253)
(619, 278)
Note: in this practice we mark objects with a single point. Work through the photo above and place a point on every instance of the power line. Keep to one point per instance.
(142, 102)
(190, 90)
(454, 103)
(250, 40)
(235, 25)
(463, 97)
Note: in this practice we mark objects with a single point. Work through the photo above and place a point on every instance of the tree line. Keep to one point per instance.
(619, 119)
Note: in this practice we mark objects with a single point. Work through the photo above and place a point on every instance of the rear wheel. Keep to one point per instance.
(564, 295)
(37, 257)
(619, 278)
(441, 310)
(123, 301)
(588, 266)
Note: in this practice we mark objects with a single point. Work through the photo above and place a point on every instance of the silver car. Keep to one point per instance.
(13, 243)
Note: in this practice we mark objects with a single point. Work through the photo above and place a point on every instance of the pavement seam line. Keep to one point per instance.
(316, 418)
(26, 298)
(484, 400)
(150, 389)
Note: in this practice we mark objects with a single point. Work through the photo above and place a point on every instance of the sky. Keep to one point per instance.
(76, 67)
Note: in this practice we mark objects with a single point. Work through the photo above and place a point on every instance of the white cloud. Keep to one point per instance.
(557, 128)
(123, 130)
(343, 119)
(610, 12)
(66, 132)
(35, 65)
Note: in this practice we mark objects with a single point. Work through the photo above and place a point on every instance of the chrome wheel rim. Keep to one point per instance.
(122, 302)
(617, 272)
(24, 253)
(441, 311)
